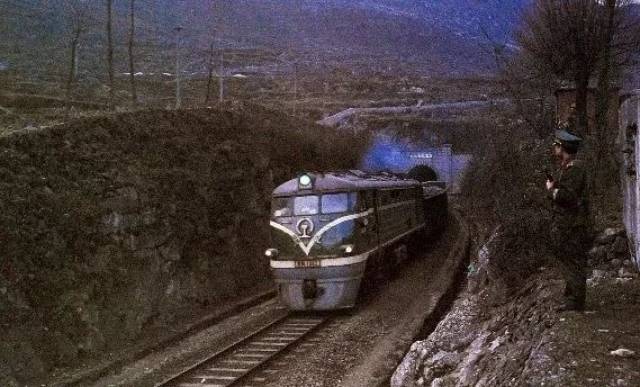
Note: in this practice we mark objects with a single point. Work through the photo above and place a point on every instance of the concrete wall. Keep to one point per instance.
(630, 171)
(401, 155)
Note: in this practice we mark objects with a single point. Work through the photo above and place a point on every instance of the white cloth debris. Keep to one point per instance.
(622, 352)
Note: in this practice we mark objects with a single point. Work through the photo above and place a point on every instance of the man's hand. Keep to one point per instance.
(550, 184)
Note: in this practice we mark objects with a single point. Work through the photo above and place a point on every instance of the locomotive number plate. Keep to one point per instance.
(307, 264)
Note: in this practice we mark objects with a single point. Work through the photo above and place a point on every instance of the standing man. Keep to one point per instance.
(570, 236)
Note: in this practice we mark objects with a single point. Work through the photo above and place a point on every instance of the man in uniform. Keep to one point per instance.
(570, 225)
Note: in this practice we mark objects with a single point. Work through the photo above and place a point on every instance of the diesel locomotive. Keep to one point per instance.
(330, 231)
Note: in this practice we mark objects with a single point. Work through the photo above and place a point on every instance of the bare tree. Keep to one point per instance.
(578, 40)
(221, 77)
(565, 37)
(178, 54)
(76, 12)
(110, 51)
(132, 31)
(621, 43)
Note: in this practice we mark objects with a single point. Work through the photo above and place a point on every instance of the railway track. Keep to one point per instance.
(233, 365)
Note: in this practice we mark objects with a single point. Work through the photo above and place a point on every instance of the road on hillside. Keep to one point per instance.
(340, 117)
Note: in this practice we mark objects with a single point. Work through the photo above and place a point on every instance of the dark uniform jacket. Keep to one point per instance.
(569, 196)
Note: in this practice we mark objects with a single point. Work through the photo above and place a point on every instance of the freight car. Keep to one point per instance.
(331, 231)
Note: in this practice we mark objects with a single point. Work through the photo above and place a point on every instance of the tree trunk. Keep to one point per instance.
(295, 88)
(110, 53)
(221, 78)
(604, 79)
(72, 66)
(582, 95)
(603, 151)
(132, 78)
(178, 80)
(207, 97)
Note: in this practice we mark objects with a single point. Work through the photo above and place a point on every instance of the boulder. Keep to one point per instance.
(443, 361)
(598, 253)
(624, 272)
(616, 263)
(599, 274)
(619, 246)
(605, 237)
(405, 373)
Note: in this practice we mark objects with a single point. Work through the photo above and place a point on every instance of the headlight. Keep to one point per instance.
(271, 253)
(348, 249)
(305, 181)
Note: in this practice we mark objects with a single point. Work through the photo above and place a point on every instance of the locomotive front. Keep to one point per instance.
(319, 241)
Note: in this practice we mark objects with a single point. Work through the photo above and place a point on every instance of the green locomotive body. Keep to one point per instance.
(331, 229)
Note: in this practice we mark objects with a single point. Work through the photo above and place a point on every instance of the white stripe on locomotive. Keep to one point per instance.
(343, 261)
(307, 248)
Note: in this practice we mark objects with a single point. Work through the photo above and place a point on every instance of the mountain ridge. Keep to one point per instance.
(437, 37)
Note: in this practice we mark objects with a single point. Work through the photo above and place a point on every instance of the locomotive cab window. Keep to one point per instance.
(335, 203)
(305, 205)
(297, 205)
(281, 207)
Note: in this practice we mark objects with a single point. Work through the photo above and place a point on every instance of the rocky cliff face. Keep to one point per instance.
(496, 338)
(110, 224)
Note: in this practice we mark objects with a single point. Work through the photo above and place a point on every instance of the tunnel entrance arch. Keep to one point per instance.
(422, 173)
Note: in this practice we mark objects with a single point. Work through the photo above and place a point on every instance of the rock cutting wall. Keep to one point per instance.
(110, 224)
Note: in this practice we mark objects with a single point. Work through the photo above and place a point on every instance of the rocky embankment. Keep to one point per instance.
(111, 226)
(491, 338)
(610, 257)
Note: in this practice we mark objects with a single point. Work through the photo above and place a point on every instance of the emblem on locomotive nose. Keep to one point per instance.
(305, 227)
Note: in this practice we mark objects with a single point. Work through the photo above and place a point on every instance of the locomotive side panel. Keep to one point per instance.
(398, 214)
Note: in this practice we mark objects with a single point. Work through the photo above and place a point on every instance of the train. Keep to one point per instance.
(333, 231)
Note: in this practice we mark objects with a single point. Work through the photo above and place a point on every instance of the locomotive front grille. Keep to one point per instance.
(309, 289)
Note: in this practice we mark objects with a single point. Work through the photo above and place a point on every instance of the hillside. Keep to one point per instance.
(432, 37)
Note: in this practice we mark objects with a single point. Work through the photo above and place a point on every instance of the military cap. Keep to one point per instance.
(566, 139)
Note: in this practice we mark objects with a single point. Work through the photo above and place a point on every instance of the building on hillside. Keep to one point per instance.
(566, 99)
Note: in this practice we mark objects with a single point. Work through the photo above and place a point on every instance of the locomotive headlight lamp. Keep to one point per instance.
(348, 249)
(271, 253)
(305, 181)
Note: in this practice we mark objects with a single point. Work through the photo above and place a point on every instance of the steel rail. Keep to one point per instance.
(273, 347)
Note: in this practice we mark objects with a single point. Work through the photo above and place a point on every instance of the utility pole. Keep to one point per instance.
(132, 31)
(295, 88)
(207, 97)
(177, 30)
(221, 77)
(221, 31)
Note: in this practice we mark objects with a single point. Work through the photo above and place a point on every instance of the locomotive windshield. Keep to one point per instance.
(335, 203)
(312, 205)
(297, 205)
(305, 205)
